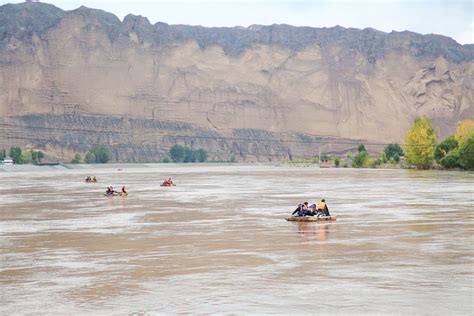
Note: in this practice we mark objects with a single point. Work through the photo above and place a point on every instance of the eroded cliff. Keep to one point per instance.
(70, 79)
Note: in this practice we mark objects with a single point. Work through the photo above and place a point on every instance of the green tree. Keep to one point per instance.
(166, 160)
(177, 153)
(337, 161)
(36, 156)
(420, 142)
(361, 148)
(77, 159)
(466, 153)
(464, 130)
(40, 155)
(15, 154)
(451, 160)
(26, 158)
(444, 147)
(359, 159)
(101, 153)
(3, 154)
(374, 162)
(391, 150)
(348, 160)
(396, 158)
(189, 155)
(89, 158)
(201, 155)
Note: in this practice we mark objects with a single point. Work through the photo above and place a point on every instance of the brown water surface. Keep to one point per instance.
(218, 241)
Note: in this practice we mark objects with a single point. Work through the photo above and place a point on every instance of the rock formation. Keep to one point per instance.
(71, 79)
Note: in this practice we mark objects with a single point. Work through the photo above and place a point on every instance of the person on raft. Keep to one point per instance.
(323, 208)
(123, 190)
(110, 190)
(305, 210)
(298, 209)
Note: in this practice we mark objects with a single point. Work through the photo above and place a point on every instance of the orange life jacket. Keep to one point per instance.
(321, 206)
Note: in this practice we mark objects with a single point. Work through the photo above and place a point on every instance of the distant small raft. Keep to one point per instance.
(167, 185)
(311, 218)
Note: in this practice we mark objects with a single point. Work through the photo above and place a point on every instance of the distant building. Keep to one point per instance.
(7, 161)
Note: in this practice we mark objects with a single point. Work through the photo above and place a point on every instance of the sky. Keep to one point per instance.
(453, 18)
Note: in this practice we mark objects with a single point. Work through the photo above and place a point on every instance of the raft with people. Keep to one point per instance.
(168, 183)
(111, 192)
(311, 213)
(91, 179)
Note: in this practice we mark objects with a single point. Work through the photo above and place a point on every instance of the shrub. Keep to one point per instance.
(359, 159)
(180, 153)
(15, 154)
(466, 153)
(201, 155)
(361, 148)
(77, 159)
(451, 160)
(444, 147)
(391, 150)
(101, 153)
(36, 156)
(89, 158)
(177, 153)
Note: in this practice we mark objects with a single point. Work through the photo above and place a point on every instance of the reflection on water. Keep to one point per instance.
(218, 241)
(315, 230)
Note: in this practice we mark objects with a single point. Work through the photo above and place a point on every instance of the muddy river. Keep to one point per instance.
(218, 242)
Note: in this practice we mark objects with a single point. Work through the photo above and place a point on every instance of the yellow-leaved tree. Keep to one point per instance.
(420, 142)
(464, 130)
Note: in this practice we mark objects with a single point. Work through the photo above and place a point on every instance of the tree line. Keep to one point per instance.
(391, 154)
(455, 151)
(98, 154)
(21, 158)
(179, 153)
(421, 150)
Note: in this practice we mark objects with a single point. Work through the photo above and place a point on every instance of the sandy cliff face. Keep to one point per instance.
(293, 88)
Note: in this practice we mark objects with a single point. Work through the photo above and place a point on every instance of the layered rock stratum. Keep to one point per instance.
(72, 79)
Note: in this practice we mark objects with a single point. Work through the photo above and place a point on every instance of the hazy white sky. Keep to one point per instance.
(452, 18)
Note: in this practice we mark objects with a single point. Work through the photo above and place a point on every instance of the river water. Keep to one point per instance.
(218, 241)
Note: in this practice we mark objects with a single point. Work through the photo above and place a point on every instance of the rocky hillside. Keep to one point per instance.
(71, 79)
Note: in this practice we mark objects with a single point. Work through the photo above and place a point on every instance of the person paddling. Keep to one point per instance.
(298, 209)
(323, 208)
